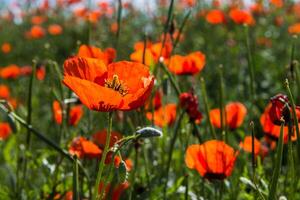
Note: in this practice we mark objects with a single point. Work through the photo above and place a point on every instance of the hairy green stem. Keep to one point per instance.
(105, 151)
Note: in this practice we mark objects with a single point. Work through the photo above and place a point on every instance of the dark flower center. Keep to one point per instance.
(116, 85)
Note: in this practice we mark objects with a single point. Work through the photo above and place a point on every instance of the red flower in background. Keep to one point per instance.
(187, 65)
(241, 17)
(84, 148)
(294, 29)
(189, 102)
(163, 116)
(4, 92)
(279, 108)
(215, 17)
(100, 137)
(246, 145)
(235, 114)
(57, 112)
(75, 115)
(10, 72)
(55, 29)
(107, 56)
(213, 159)
(116, 191)
(36, 32)
(6, 47)
(152, 52)
(272, 130)
(277, 3)
(5, 130)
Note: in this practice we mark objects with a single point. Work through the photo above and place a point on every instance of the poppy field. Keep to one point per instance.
(166, 99)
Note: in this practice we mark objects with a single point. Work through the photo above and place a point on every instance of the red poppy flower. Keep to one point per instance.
(38, 20)
(118, 86)
(100, 137)
(57, 112)
(156, 101)
(164, 116)
(5, 130)
(75, 115)
(152, 52)
(55, 29)
(41, 72)
(279, 109)
(36, 32)
(84, 148)
(6, 47)
(277, 3)
(272, 130)
(247, 145)
(116, 191)
(235, 115)
(215, 17)
(241, 17)
(107, 56)
(189, 102)
(4, 92)
(187, 65)
(294, 29)
(10, 72)
(213, 159)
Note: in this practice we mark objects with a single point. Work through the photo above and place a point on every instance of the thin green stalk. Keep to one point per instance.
(204, 94)
(291, 171)
(133, 174)
(170, 152)
(222, 109)
(277, 167)
(144, 49)
(292, 67)
(167, 25)
(105, 151)
(186, 194)
(119, 22)
(28, 119)
(253, 151)
(186, 17)
(173, 82)
(297, 72)
(75, 179)
(291, 98)
(250, 66)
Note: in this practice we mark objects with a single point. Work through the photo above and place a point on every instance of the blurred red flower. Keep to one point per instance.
(235, 114)
(190, 64)
(5, 130)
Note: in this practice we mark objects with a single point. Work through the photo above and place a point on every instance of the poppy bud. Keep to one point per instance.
(189, 102)
(279, 109)
(147, 132)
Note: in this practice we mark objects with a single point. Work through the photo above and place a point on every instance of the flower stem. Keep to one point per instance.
(291, 98)
(277, 167)
(222, 110)
(28, 120)
(204, 94)
(75, 179)
(106, 148)
(170, 152)
(253, 151)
